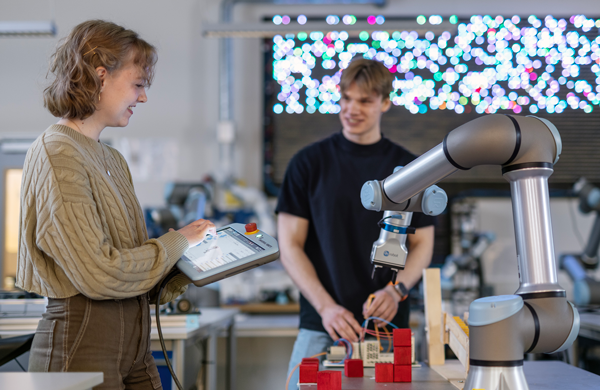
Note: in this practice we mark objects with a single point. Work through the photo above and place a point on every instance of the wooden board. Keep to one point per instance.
(265, 308)
(458, 340)
(433, 315)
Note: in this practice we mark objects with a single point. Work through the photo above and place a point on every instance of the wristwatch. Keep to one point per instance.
(402, 290)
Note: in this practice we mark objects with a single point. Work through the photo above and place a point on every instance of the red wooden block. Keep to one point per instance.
(329, 380)
(308, 372)
(402, 356)
(353, 368)
(402, 373)
(384, 372)
(310, 360)
(402, 337)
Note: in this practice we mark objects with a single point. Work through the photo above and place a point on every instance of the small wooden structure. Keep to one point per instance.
(440, 327)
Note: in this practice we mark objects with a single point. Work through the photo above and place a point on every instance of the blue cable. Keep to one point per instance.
(348, 345)
(380, 319)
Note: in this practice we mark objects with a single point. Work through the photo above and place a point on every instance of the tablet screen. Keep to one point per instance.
(228, 246)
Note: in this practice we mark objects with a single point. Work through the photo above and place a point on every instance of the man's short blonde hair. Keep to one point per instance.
(75, 90)
(369, 75)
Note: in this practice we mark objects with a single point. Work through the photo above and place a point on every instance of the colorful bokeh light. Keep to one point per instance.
(332, 19)
(490, 64)
(349, 19)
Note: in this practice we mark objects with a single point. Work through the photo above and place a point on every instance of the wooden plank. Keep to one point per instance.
(458, 339)
(453, 371)
(454, 328)
(433, 315)
(266, 308)
(461, 352)
(445, 332)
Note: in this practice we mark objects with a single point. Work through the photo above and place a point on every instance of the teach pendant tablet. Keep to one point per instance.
(236, 248)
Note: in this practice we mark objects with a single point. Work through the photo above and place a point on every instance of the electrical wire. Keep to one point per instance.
(366, 324)
(382, 320)
(348, 345)
(389, 337)
(377, 337)
(160, 335)
(380, 223)
(287, 383)
(372, 333)
(369, 302)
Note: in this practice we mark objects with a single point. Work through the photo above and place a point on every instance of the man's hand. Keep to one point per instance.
(384, 306)
(339, 321)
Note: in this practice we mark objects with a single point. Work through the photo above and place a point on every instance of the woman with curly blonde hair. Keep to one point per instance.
(83, 241)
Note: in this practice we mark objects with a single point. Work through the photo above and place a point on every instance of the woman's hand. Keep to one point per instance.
(196, 231)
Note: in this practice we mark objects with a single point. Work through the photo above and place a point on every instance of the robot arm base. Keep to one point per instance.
(502, 328)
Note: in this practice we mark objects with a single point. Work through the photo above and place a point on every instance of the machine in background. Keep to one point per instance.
(223, 204)
(462, 273)
(586, 290)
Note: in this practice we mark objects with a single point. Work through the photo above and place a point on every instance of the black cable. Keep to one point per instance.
(380, 223)
(160, 335)
(22, 368)
(407, 229)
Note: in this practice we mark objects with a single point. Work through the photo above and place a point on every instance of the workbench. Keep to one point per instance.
(50, 380)
(262, 325)
(182, 343)
(541, 375)
(423, 378)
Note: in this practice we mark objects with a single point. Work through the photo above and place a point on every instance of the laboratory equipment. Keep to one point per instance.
(586, 290)
(589, 200)
(462, 275)
(538, 318)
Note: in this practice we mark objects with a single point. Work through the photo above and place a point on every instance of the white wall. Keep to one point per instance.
(183, 101)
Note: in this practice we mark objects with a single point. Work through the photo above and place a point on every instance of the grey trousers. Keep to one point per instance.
(79, 334)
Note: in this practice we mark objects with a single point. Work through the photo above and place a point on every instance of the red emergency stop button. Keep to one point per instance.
(251, 228)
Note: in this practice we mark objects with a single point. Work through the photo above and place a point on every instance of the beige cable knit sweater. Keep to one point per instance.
(82, 230)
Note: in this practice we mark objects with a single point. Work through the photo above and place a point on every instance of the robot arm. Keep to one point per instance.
(526, 148)
(390, 248)
(490, 140)
(538, 318)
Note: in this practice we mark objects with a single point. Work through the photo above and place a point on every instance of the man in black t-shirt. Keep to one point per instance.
(325, 234)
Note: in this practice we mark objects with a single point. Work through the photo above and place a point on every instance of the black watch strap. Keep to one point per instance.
(402, 290)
